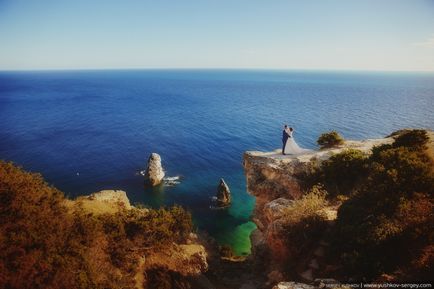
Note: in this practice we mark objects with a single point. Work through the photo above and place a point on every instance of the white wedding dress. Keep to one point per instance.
(291, 147)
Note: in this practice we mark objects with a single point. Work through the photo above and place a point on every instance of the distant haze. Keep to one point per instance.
(344, 35)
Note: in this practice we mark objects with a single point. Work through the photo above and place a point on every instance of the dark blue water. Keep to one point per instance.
(104, 124)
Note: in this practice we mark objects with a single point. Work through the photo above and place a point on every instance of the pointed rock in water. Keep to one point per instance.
(154, 173)
(223, 194)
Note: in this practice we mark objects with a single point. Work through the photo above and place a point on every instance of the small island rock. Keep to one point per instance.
(223, 194)
(154, 173)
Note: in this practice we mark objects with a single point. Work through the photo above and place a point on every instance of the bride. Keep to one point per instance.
(291, 147)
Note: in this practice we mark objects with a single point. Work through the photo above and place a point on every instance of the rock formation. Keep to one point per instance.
(102, 202)
(177, 257)
(274, 180)
(154, 173)
(188, 259)
(112, 196)
(223, 194)
(271, 175)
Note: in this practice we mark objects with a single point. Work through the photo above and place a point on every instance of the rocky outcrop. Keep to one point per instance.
(189, 259)
(271, 175)
(186, 259)
(223, 197)
(275, 180)
(102, 202)
(154, 173)
(112, 196)
(275, 209)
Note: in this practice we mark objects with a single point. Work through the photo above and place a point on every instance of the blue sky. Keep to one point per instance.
(305, 34)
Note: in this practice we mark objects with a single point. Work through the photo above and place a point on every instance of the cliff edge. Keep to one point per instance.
(189, 259)
(275, 180)
(271, 175)
(296, 221)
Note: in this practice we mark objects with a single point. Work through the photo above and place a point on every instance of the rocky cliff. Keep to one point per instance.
(188, 259)
(274, 179)
(271, 175)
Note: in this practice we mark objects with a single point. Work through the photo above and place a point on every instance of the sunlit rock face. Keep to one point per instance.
(112, 196)
(154, 173)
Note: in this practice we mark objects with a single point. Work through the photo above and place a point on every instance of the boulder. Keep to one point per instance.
(293, 285)
(276, 209)
(185, 259)
(111, 196)
(154, 173)
(223, 194)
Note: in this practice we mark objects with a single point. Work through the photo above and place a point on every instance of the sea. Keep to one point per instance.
(91, 130)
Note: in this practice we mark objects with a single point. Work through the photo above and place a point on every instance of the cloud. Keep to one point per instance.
(428, 43)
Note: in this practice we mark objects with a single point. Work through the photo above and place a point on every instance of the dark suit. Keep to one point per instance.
(285, 137)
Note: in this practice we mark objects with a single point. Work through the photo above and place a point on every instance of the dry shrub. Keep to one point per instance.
(304, 222)
(42, 245)
(311, 204)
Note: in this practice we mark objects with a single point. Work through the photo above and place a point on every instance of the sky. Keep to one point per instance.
(389, 35)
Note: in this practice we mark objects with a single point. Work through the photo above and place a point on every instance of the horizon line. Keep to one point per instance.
(214, 68)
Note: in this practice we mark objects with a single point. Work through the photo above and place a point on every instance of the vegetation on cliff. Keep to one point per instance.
(339, 174)
(385, 224)
(304, 221)
(330, 139)
(45, 244)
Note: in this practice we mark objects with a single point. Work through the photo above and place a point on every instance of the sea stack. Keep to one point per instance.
(223, 194)
(154, 173)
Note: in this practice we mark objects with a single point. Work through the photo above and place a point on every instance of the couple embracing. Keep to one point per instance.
(290, 147)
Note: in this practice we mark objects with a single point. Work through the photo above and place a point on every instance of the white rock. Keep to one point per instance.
(154, 173)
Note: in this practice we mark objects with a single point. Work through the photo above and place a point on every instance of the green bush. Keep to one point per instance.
(342, 171)
(330, 139)
(390, 211)
(339, 174)
(415, 139)
(387, 206)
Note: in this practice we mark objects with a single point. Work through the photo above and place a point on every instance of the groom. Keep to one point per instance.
(285, 136)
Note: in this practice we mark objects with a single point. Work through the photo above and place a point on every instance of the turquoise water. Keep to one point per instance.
(104, 124)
